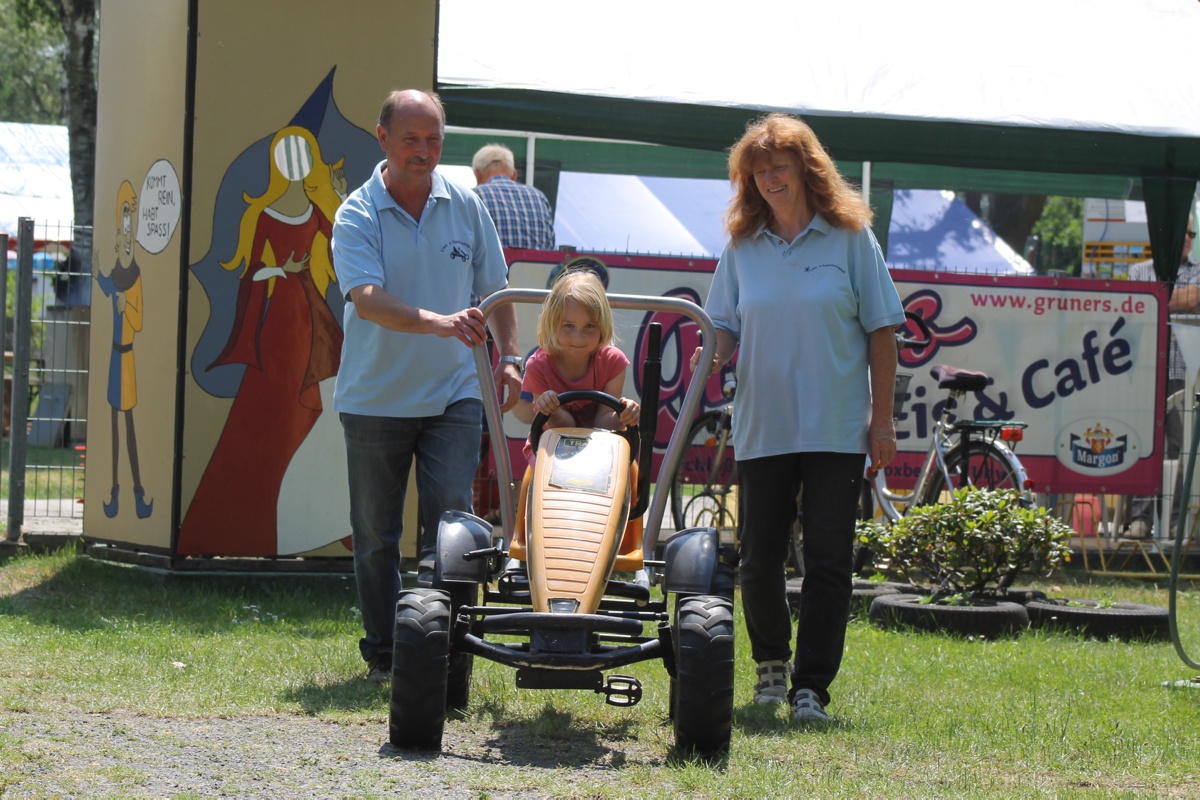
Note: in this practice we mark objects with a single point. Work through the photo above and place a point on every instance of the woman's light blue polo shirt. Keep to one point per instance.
(437, 264)
(801, 312)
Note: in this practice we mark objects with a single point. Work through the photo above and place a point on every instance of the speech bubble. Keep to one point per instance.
(158, 207)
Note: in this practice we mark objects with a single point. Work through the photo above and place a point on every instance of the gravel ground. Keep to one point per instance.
(121, 754)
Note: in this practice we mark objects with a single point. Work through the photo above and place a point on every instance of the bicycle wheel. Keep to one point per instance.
(704, 492)
(980, 464)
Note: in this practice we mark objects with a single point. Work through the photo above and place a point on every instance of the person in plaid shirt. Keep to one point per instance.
(1185, 299)
(521, 212)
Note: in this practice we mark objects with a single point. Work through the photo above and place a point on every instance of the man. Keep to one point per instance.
(1185, 299)
(521, 213)
(410, 249)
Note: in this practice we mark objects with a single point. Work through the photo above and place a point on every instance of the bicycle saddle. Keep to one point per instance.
(964, 380)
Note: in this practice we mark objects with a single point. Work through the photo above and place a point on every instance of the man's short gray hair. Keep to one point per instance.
(491, 154)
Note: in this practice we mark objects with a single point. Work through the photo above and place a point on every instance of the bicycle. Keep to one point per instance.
(961, 453)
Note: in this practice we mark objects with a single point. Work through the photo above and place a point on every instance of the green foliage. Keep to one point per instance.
(979, 540)
(31, 66)
(1061, 231)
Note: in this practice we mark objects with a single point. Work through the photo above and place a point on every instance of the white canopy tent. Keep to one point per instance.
(1042, 103)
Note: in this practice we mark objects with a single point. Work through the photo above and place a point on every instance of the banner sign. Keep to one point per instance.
(1081, 362)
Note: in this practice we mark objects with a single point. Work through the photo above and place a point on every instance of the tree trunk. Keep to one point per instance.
(78, 18)
(1014, 215)
(1011, 216)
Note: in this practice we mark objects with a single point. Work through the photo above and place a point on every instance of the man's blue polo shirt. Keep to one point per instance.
(436, 264)
(801, 312)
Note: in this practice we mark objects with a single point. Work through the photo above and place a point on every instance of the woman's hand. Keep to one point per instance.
(881, 442)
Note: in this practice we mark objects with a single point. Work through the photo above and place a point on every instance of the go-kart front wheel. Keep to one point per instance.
(420, 663)
(702, 689)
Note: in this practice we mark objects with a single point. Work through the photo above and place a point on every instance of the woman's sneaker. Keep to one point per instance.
(771, 686)
(807, 707)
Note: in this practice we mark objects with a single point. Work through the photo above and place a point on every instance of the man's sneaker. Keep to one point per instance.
(379, 668)
(771, 686)
(807, 707)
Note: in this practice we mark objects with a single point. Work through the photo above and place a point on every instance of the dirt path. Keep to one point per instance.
(100, 755)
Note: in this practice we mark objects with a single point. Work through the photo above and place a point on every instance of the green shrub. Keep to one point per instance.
(979, 541)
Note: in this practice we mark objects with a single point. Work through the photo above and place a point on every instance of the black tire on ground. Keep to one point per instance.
(458, 677)
(1019, 595)
(909, 588)
(702, 689)
(862, 597)
(991, 619)
(1124, 621)
(863, 593)
(420, 659)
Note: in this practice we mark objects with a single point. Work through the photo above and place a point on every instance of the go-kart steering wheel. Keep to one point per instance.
(630, 434)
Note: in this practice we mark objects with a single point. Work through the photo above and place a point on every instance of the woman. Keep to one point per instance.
(803, 291)
(289, 340)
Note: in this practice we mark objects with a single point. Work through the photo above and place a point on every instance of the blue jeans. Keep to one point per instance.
(768, 488)
(379, 452)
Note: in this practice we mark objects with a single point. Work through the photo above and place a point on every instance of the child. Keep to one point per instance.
(575, 334)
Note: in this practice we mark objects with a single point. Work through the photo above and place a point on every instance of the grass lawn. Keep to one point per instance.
(916, 715)
(52, 472)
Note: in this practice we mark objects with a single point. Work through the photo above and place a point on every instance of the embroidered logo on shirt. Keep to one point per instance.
(813, 267)
(458, 249)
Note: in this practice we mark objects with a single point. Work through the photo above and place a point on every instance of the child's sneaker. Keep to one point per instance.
(772, 682)
(807, 707)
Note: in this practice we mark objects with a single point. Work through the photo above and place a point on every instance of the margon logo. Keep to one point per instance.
(1097, 446)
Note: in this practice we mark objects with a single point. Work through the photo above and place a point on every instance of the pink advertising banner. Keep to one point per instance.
(1080, 362)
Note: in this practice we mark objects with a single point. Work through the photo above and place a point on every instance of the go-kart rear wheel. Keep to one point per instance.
(420, 660)
(702, 689)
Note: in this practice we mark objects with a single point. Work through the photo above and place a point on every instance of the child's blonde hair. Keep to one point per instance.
(584, 288)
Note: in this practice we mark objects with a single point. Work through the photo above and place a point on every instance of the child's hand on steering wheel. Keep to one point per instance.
(546, 403)
(630, 413)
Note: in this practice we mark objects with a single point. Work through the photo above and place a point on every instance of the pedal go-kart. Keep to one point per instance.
(564, 620)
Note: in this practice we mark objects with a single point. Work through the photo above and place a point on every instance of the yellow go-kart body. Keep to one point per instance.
(581, 488)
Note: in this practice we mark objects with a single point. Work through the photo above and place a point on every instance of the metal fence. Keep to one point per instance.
(46, 371)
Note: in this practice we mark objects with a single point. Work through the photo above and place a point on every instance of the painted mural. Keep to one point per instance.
(145, 224)
(273, 340)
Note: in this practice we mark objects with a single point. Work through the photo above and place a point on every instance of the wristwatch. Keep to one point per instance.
(517, 360)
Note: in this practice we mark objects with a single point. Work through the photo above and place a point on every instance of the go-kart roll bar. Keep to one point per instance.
(691, 400)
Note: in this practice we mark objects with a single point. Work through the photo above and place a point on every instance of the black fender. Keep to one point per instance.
(460, 533)
(690, 561)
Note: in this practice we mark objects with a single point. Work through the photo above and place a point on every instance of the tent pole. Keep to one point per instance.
(530, 150)
(866, 182)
